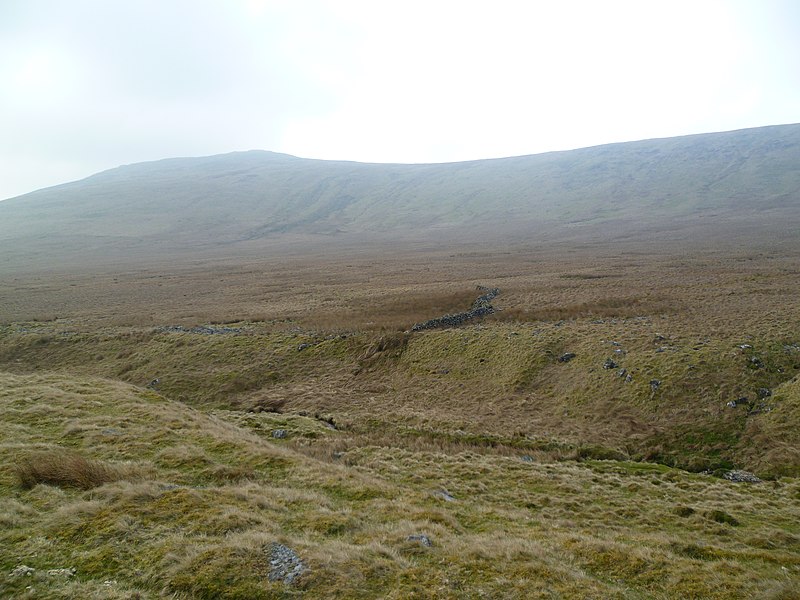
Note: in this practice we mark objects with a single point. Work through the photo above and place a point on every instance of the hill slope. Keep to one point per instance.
(685, 187)
(195, 505)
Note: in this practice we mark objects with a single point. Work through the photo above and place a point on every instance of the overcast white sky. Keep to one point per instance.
(87, 85)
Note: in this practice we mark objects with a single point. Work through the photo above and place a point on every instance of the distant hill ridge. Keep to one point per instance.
(689, 185)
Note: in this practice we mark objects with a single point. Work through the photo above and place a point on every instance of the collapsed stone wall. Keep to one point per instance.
(480, 308)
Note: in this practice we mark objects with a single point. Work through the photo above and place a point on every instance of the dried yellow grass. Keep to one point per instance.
(67, 469)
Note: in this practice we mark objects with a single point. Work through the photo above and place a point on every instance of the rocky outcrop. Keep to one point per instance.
(480, 308)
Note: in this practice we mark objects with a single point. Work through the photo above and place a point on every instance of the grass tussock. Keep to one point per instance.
(389, 346)
(67, 469)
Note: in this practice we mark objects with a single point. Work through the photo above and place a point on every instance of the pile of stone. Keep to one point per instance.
(285, 564)
(739, 476)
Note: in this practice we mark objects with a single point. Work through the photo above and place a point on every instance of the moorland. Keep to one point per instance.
(258, 419)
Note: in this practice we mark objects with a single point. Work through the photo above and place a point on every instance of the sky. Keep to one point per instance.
(88, 85)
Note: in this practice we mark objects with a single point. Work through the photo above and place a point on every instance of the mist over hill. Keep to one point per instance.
(695, 187)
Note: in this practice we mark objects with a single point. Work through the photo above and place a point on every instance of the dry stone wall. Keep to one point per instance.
(480, 308)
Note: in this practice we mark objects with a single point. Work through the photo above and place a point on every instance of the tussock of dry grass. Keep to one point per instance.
(64, 468)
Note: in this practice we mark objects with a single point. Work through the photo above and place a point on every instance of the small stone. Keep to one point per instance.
(303, 347)
(622, 372)
(610, 364)
(444, 495)
(628, 378)
(422, 539)
(764, 392)
(70, 572)
(655, 384)
(527, 458)
(731, 404)
(566, 357)
(22, 571)
(279, 433)
(745, 346)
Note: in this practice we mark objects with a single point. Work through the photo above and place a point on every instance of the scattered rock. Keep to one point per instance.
(285, 564)
(22, 571)
(424, 540)
(610, 364)
(741, 476)
(444, 495)
(303, 347)
(731, 404)
(279, 433)
(628, 378)
(659, 338)
(764, 393)
(619, 351)
(566, 357)
(527, 458)
(745, 346)
(622, 372)
(655, 384)
(756, 362)
(154, 383)
(662, 348)
(70, 572)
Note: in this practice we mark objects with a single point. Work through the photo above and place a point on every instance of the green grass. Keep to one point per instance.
(463, 386)
(186, 527)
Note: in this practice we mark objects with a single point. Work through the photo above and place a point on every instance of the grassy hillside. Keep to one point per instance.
(711, 331)
(688, 187)
(194, 505)
(152, 444)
